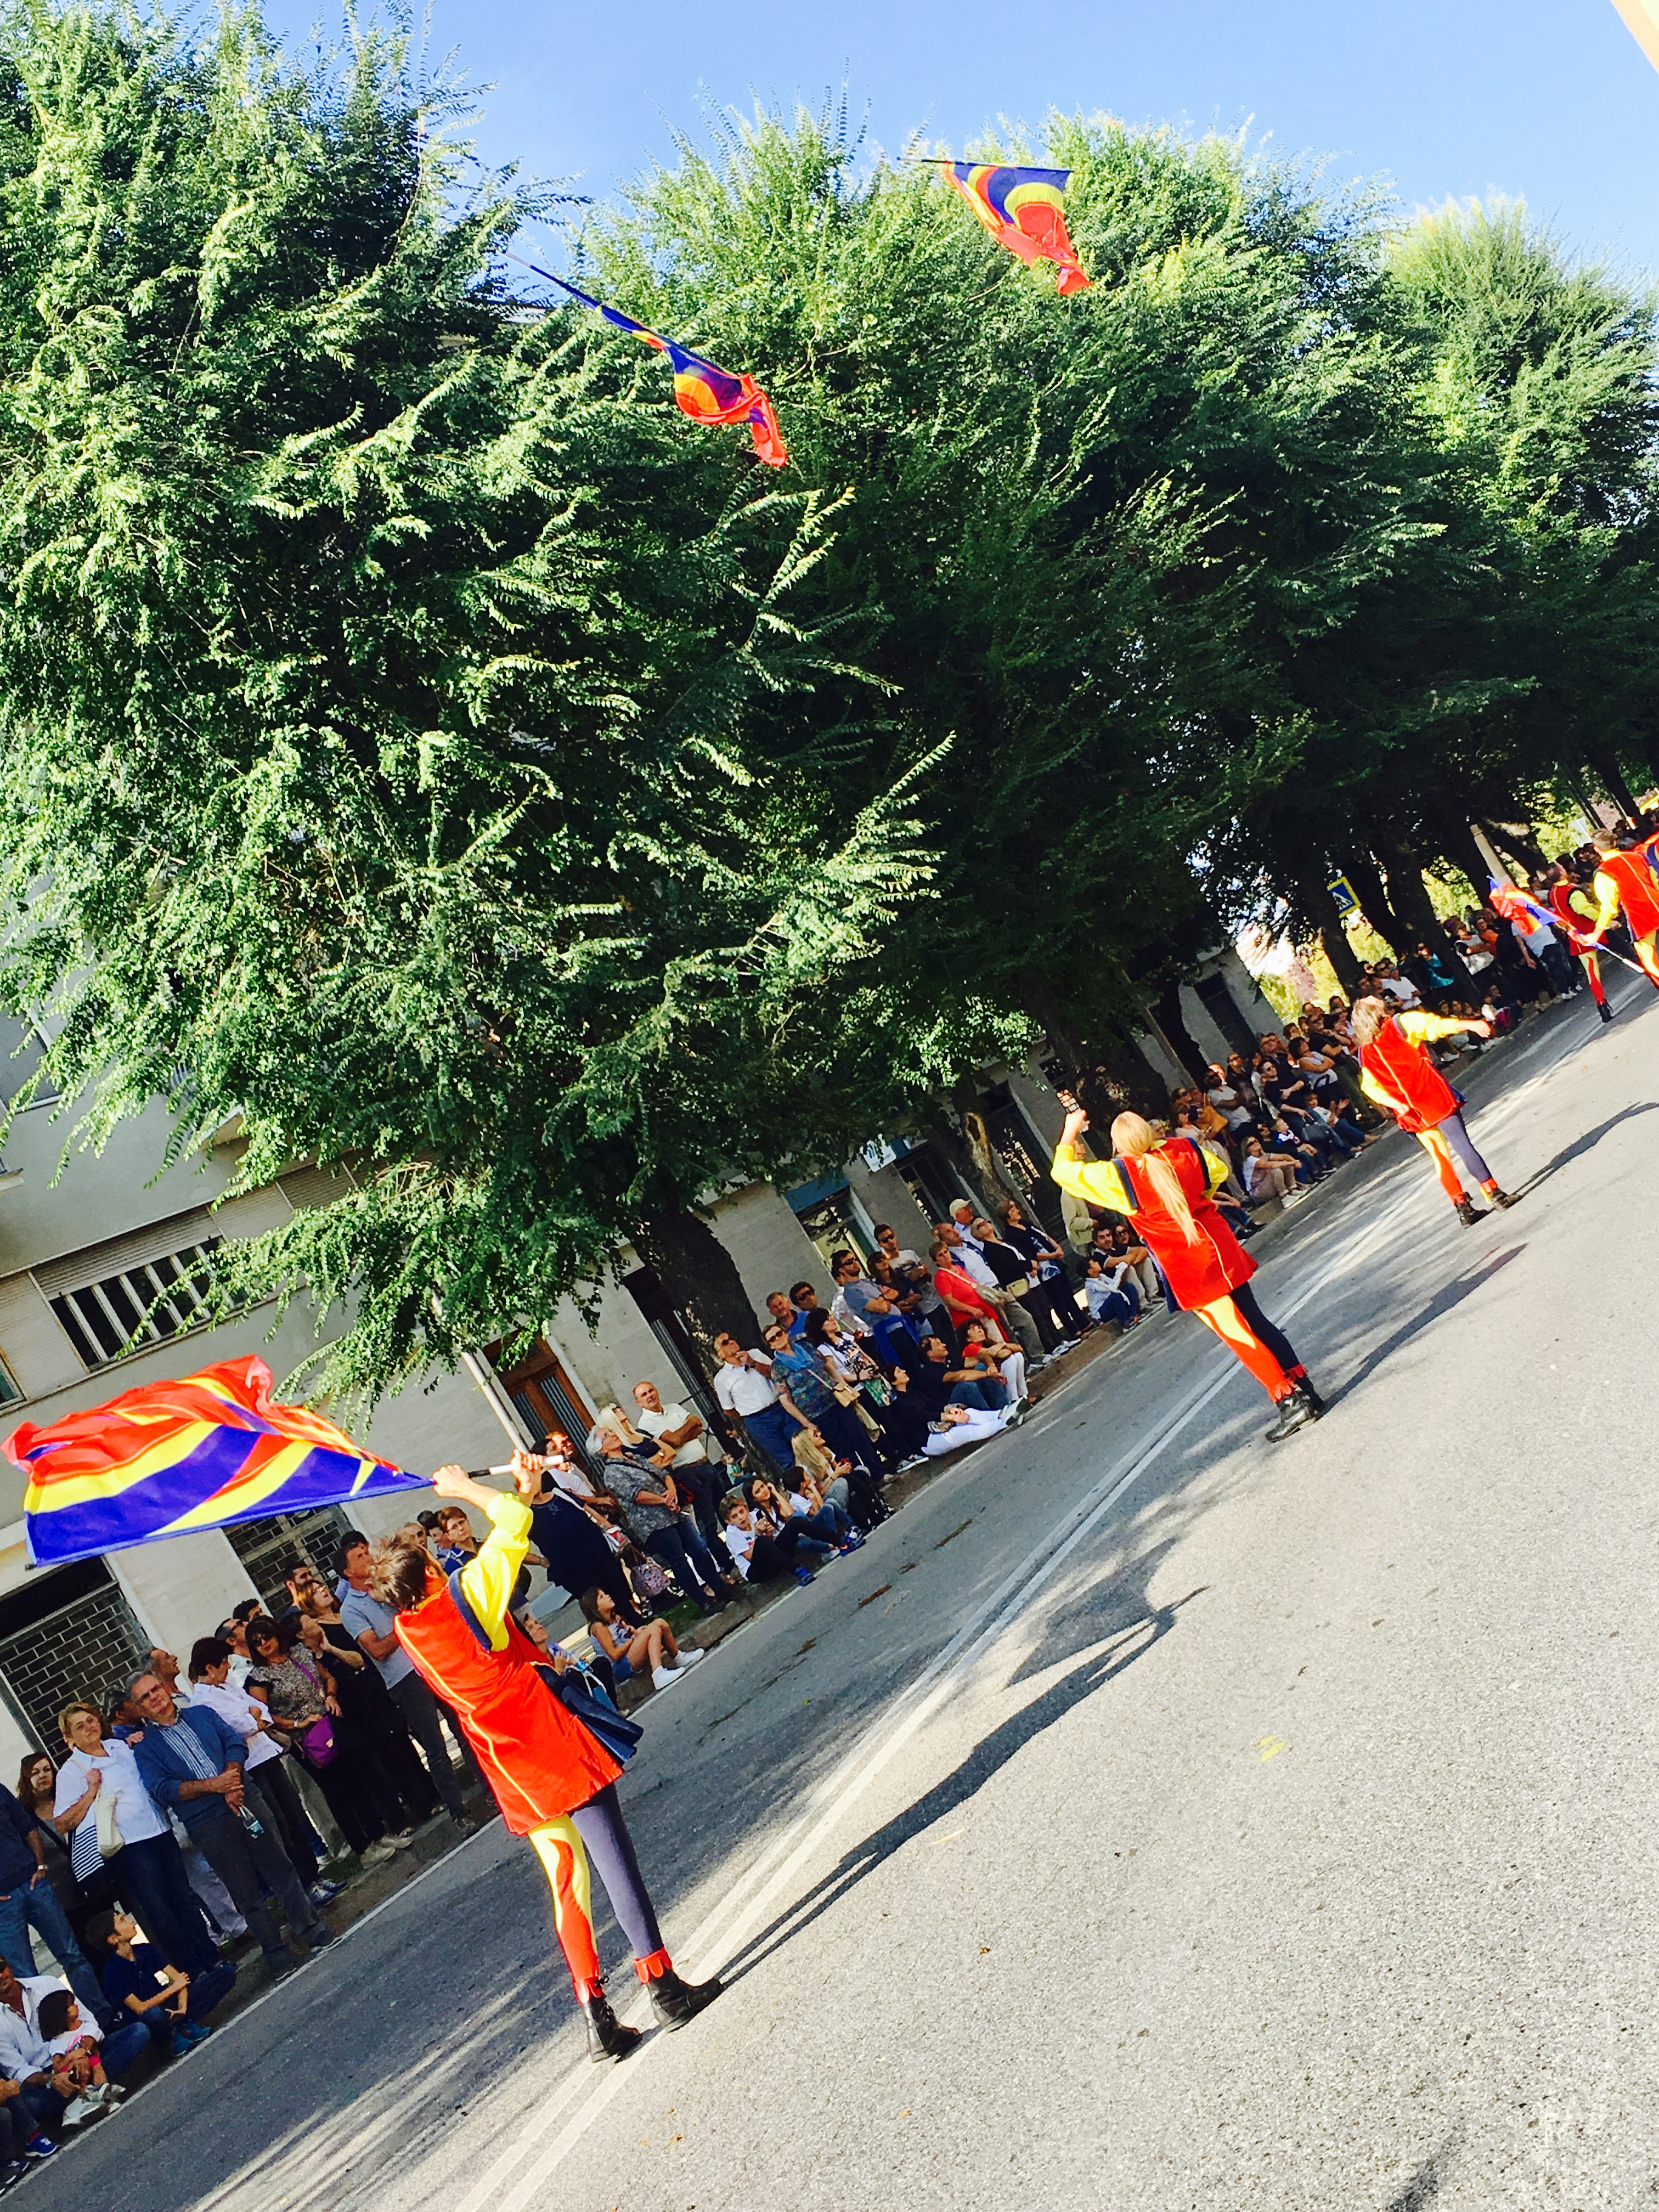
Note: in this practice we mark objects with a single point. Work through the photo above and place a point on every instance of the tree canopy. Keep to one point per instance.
(420, 741)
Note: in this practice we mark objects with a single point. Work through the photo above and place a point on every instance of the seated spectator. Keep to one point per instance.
(1236, 1110)
(755, 1554)
(28, 1900)
(1121, 1244)
(936, 1383)
(1265, 1178)
(1111, 1296)
(26, 2057)
(1280, 1137)
(793, 1524)
(965, 1298)
(77, 2062)
(986, 1357)
(656, 1514)
(192, 1761)
(142, 1983)
(958, 1425)
(628, 1647)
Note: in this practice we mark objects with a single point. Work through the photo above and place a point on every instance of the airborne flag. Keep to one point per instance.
(705, 393)
(170, 1458)
(1024, 210)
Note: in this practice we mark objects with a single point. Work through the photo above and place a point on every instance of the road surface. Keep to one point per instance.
(1144, 1818)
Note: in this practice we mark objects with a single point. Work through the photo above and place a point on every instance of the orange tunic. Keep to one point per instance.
(1637, 890)
(1197, 1273)
(1396, 1072)
(537, 1756)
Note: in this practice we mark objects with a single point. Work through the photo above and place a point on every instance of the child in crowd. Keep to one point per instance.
(138, 1977)
(754, 1552)
(77, 2065)
(629, 1648)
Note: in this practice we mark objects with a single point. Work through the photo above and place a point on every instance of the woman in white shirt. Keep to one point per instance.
(148, 1869)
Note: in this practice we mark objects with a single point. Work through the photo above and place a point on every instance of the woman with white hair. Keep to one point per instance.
(1167, 1186)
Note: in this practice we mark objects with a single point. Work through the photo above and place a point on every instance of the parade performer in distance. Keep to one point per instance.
(1573, 908)
(1396, 1072)
(1624, 881)
(554, 1777)
(1166, 1186)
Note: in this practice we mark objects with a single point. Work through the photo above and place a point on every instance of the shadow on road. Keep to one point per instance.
(1119, 1625)
(1424, 2186)
(1437, 1308)
(1587, 1143)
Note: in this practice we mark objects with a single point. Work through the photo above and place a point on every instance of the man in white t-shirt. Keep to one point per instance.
(698, 1464)
(745, 1389)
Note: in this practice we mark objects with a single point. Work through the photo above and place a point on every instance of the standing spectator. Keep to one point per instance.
(28, 1899)
(641, 1484)
(1035, 1245)
(698, 1463)
(933, 1308)
(298, 1700)
(763, 1410)
(377, 1742)
(372, 1624)
(148, 1869)
(968, 1257)
(452, 1540)
(37, 1792)
(1041, 1297)
(193, 1760)
(966, 1300)
(813, 1390)
(253, 1713)
(572, 1547)
(859, 1301)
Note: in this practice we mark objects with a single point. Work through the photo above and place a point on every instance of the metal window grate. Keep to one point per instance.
(272, 1547)
(144, 1305)
(88, 1649)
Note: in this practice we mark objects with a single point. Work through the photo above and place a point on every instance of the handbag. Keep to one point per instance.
(109, 1838)
(318, 1746)
(620, 1737)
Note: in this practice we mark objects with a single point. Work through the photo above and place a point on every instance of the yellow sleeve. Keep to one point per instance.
(1374, 1090)
(1420, 1026)
(487, 1580)
(1216, 1170)
(1606, 893)
(1098, 1181)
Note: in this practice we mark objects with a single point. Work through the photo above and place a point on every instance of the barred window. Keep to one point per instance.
(142, 1305)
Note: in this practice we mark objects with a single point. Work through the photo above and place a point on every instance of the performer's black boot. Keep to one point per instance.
(1295, 1410)
(606, 2036)
(1604, 1010)
(1308, 1391)
(675, 2002)
(1503, 1200)
(1468, 1213)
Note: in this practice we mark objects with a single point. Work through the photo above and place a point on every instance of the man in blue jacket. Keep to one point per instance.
(193, 1764)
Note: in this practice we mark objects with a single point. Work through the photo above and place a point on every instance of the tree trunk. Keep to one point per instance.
(700, 1276)
(1172, 1023)
(1362, 873)
(1515, 836)
(1409, 896)
(1612, 780)
(1451, 825)
(1321, 909)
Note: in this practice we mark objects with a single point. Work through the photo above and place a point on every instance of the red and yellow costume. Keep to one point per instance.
(1395, 1072)
(1573, 917)
(1625, 882)
(1201, 1272)
(541, 1763)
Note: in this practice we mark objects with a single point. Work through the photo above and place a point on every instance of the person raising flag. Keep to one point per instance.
(1166, 1186)
(1625, 882)
(1569, 901)
(551, 1752)
(1395, 1072)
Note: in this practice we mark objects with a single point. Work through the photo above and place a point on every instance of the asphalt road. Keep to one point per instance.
(1146, 1817)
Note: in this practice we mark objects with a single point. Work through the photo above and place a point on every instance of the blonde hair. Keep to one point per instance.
(1368, 1020)
(1135, 1138)
(69, 1713)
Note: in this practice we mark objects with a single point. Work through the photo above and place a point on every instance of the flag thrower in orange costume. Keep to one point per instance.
(1396, 1072)
(1569, 904)
(550, 1749)
(1166, 1186)
(1626, 883)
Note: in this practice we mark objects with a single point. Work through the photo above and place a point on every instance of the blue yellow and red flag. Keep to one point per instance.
(170, 1458)
(1024, 210)
(705, 393)
(1516, 905)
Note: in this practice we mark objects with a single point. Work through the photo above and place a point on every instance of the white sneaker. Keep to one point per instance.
(378, 1853)
(663, 1677)
(688, 1656)
(78, 2110)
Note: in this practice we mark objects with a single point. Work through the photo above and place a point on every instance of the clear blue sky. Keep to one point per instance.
(1549, 100)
